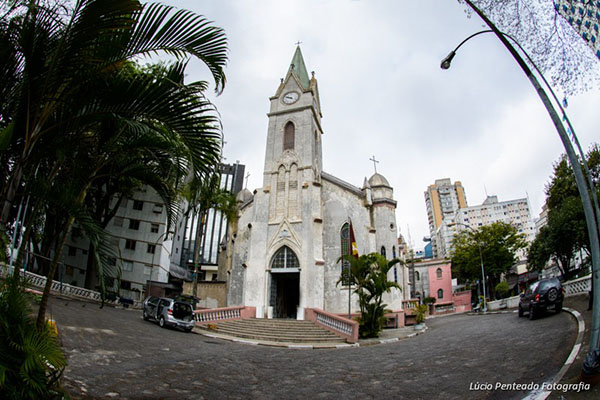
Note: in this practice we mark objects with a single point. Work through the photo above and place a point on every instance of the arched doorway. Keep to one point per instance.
(284, 294)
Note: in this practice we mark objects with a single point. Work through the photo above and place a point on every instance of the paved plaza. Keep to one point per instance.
(114, 353)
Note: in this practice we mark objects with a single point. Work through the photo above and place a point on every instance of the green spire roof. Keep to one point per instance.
(300, 68)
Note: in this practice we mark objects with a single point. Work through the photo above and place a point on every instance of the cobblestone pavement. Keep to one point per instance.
(114, 353)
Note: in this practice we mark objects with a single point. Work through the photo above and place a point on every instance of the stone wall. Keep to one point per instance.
(211, 294)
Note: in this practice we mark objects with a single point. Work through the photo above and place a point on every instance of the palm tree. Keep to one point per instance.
(170, 129)
(65, 82)
(32, 360)
(50, 61)
(368, 275)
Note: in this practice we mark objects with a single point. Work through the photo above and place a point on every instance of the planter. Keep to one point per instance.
(420, 327)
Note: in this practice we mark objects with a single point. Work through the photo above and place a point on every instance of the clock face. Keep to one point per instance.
(290, 97)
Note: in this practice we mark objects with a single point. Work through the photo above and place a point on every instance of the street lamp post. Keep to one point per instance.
(582, 185)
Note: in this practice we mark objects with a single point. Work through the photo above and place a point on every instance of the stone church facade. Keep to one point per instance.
(292, 230)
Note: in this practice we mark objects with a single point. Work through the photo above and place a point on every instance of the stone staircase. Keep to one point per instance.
(275, 330)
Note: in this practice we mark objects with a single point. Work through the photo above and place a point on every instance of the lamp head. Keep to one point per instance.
(445, 64)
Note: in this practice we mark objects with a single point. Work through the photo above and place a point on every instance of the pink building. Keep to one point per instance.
(433, 278)
(440, 286)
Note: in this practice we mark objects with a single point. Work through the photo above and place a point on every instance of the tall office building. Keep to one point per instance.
(442, 199)
(214, 228)
(584, 17)
(514, 212)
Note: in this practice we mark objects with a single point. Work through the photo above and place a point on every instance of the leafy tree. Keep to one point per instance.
(368, 273)
(31, 360)
(498, 244)
(547, 37)
(566, 230)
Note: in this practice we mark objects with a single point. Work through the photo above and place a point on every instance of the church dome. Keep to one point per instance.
(378, 180)
(244, 196)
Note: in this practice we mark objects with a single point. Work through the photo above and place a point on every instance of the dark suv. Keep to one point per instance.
(540, 296)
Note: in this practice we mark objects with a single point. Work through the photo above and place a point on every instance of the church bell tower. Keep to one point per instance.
(293, 154)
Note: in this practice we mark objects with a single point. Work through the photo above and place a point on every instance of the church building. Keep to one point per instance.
(293, 230)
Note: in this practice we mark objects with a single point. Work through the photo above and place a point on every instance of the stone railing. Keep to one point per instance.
(57, 287)
(577, 286)
(344, 327)
(224, 314)
(410, 305)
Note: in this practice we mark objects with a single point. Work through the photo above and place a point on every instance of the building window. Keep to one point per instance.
(154, 228)
(118, 221)
(285, 258)
(439, 273)
(151, 248)
(127, 266)
(395, 275)
(130, 244)
(288, 136)
(157, 209)
(417, 275)
(383, 251)
(134, 224)
(440, 294)
(138, 205)
(72, 251)
(394, 251)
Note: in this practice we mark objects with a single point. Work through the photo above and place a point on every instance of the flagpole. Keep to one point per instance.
(349, 271)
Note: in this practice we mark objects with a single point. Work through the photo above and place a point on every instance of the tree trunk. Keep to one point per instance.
(197, 245)
(9, 193)
(57, 256)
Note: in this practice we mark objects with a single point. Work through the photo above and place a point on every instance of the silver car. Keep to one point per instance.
(169, 312)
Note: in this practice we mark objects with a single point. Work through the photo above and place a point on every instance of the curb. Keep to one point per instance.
(537, 395)
(307, 346)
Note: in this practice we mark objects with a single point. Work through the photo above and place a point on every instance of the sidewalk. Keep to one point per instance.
(579, 303)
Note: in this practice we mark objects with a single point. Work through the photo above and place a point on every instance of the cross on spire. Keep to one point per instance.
(375, 162)
(247, 176)
(298, 43)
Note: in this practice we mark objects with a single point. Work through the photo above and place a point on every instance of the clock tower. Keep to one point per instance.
(294, 134)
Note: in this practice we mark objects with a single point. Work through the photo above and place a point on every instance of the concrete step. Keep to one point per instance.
(274, 330)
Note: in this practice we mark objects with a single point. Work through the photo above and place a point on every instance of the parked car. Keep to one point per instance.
(169, 312)
(541, 295)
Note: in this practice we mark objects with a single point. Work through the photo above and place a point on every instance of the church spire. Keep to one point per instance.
(299, 67)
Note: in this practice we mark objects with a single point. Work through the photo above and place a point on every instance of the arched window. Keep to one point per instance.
(383, 251)
(394, 251)
(438, 272)
(417, 275)
(345, 246)
(395, 274)
(288, 136)
(440, 294)
(285, 258)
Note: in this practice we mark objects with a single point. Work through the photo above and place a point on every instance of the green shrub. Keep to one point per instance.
(429, 300)
(31, 360)
(420, 312)
(502, 290)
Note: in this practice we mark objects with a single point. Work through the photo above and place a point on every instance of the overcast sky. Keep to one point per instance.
(383, 93)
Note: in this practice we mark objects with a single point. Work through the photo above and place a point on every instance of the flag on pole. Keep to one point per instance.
(353, 246)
